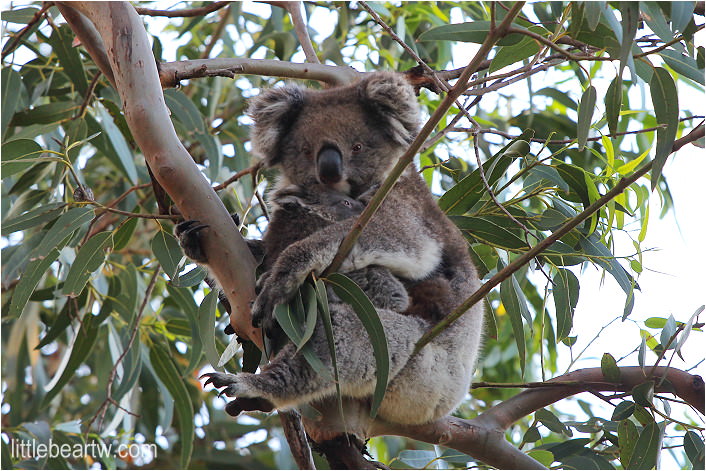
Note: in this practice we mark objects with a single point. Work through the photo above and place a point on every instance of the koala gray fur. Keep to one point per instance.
(349, 138)
(299, 211)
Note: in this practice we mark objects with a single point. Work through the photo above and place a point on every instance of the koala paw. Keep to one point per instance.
(248, 404)
(189, 237)
(229, 384)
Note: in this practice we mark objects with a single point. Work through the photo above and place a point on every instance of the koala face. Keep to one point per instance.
(347, 138)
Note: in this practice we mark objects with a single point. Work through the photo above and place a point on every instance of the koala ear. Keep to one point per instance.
(274, 111)
(391, 97)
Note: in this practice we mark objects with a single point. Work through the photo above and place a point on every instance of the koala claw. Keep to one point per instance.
(231, 384)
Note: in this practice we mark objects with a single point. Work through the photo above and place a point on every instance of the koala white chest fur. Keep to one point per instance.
(347, 138)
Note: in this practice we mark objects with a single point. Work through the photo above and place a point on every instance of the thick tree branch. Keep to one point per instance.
(171, 73)
(137, 82)
(483, 437)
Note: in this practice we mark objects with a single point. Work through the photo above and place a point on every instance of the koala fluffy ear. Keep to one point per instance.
(391, 97)
(274, 111)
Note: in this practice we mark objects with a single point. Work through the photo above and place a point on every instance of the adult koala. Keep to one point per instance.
(349, 138)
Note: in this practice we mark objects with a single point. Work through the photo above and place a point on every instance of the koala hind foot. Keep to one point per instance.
(188, 234)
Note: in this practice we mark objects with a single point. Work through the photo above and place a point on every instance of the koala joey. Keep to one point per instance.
(348, 138)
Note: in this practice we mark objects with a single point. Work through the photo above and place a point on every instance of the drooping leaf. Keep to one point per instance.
(515, 305)
(566, 296)
(207, 327)
(170, 376)
(586, 108)
(613, 101)
(350, 293)
(89, 259)
(166, 248)
(69, 57)
(683, 65)
(647, 446)
(644, 393)
(666, 105)
(694, 448)
(11, 82)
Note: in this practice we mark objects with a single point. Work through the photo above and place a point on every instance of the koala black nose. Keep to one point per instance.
(329, 164)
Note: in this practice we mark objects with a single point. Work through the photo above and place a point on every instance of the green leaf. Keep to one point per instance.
(670, 328)
(83, 345)
(566, 296)
(644, 393)
(694, 448)
(309, 294)
(683, 65)
(350, 293)
(291, 322)
(207, 327)
(417, 459)
(531, 435)
(466, 193)
(124, 233)
(629, 19)
(45, 114)
(472, 32)
(623, 411)
(613, 102)
(516, 307)
(11, 82)
(647, 448)
(18, 155)
(122, 157)
(558, 96)
(543, 456)
(35, 217)
(551, 421)
(66, 225)
(496, 231)
(191, 278)
(20, 16)
(184, 110)
(586, 108)
(666, 105)
(592, 14)
(69, 57)
(29, 281)
(508, 55)
(322, 300)
(89, 259)
(610, 369)
(166, 248)
(171, 377)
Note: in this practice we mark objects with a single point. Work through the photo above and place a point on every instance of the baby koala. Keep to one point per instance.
(300, 209)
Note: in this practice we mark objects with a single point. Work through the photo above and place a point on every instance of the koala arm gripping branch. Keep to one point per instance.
(408, 251)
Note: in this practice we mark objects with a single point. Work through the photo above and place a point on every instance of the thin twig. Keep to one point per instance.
(9, 49)
(302, 32)
(216, 34)
(113, 373)
(248, 171)
(186, 13)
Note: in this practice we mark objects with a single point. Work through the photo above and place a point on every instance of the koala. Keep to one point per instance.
(348, 138)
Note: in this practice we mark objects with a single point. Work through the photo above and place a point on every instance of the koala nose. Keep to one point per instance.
(329, 164)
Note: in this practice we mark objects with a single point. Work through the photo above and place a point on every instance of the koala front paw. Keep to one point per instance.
(232, 385)
(188, 233)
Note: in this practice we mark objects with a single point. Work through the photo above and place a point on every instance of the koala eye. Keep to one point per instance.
(346, 203)
(357, 147)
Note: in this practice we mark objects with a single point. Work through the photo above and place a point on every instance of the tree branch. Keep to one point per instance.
(171, 73)
(137, 82)
(186, 13)
(484, 436)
